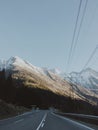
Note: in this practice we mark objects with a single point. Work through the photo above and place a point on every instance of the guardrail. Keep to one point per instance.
(81, 117)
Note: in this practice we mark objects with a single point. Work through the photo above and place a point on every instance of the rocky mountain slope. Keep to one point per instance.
(27, 85)
(87, 78)
(39, 77)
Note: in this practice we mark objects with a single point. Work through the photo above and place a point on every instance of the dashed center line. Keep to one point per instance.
(42, 122)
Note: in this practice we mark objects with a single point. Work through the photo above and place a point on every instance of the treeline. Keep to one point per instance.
(14, 91)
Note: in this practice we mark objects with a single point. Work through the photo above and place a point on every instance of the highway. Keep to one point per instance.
(41, 120)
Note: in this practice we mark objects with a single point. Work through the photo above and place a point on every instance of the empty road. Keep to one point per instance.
(41, 120)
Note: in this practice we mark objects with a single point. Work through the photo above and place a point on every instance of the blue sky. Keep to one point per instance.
(40, 31)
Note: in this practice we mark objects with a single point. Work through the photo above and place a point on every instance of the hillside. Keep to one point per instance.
(9, 110)
(25, 85)
(87, 78)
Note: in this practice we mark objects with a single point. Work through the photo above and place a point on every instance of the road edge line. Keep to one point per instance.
(73, 121)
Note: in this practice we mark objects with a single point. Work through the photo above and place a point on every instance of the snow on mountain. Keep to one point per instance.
(41, 77)
(87, 78)
(16, 62)
(49, 78)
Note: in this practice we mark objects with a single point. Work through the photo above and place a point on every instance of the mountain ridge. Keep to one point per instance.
(86, 78)
(42, 78)
(30, 81)
(83, 78)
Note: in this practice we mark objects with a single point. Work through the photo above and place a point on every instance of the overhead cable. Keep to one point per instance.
(74, 33)
(84, 11)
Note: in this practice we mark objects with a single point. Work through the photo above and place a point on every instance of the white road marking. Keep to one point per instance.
(18, 121)
(72, 121)
(41, 123)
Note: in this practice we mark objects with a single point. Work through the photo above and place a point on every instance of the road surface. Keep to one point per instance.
(41, 120)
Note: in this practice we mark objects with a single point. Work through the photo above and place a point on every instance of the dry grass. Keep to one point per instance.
(52, 83)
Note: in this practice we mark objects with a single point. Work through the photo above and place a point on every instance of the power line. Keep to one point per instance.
(80, 26)
(74, 33)
(90, 58)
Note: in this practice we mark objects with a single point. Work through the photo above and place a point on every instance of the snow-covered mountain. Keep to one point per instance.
(87, 78)
(49, 79)
(25, 84)
(35, 76)
(18, 63)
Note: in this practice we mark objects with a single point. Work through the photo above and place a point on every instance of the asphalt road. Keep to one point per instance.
(41, 120)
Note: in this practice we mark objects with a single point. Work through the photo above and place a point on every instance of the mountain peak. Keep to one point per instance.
(14, 58)
(86, 78)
